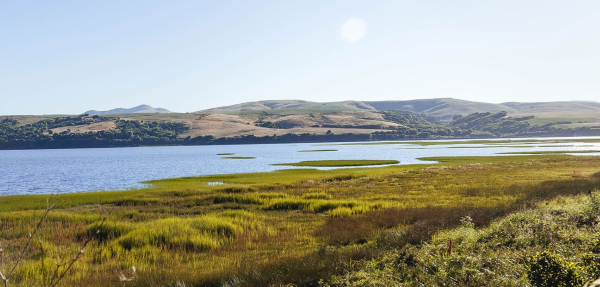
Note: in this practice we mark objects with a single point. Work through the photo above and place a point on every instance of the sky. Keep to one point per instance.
(67, 57)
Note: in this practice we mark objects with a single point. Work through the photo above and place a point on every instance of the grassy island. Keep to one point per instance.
(340, 163)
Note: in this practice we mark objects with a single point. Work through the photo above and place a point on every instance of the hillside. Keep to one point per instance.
(302, 121)
(444, 108)
(290, 106)
(189, 129)
(555, 108)
(135, 110)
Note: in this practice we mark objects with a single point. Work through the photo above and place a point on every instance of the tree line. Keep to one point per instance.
(129, 133)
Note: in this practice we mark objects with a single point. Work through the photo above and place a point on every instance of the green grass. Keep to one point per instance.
(239, 157)
(317, 150)
(552, 152)
(439, 142)
(503, 142)
(288, 226)
(340, 163)
(494, 146)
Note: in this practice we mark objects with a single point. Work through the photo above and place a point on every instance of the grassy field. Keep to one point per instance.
(290, 226)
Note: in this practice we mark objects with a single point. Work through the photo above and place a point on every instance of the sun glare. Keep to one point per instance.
(353, 30)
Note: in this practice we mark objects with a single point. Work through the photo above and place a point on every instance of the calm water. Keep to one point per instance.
(78, 170)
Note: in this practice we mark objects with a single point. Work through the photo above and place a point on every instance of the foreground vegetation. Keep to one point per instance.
(555, 243)
(304, 226)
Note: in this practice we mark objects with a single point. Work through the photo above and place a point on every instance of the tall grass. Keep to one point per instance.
(292, 226)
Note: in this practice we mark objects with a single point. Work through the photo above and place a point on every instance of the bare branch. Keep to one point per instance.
(78, 256)
(1, 260)
(43, 253)
(31, 235)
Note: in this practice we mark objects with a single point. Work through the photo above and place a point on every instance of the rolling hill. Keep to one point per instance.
(141, 109)
(444, 108)
(295, 120)
(291, 107)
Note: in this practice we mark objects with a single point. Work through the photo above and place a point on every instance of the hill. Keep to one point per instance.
(443, 108)
(135, 110)
(290, 107)
(554, 108)
(302, 121)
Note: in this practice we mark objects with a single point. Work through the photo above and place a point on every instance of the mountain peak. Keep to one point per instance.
(146, 109)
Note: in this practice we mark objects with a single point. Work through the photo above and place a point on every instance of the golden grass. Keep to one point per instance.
(255, 226)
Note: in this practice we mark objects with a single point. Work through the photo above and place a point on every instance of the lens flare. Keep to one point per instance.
(353, 30)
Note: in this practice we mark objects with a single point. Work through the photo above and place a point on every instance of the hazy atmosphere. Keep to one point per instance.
(66, 57)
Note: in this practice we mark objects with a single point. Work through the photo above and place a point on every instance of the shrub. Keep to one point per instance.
(591, 262)
(467, 222)
(593, 205)
(547, 269)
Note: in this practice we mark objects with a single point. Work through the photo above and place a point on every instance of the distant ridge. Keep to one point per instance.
(291, 105)
(146, 109)
(444, 108)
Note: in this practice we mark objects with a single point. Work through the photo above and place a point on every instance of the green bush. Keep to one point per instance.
(592, 264)
(593, 206)
(547, 269)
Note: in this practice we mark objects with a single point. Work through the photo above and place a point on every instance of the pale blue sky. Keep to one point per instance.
(72, 56)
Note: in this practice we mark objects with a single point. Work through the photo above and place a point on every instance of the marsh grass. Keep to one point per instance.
(495, 146)
(552, 152)
(340, 163)
(290, 226)
(476, 141)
